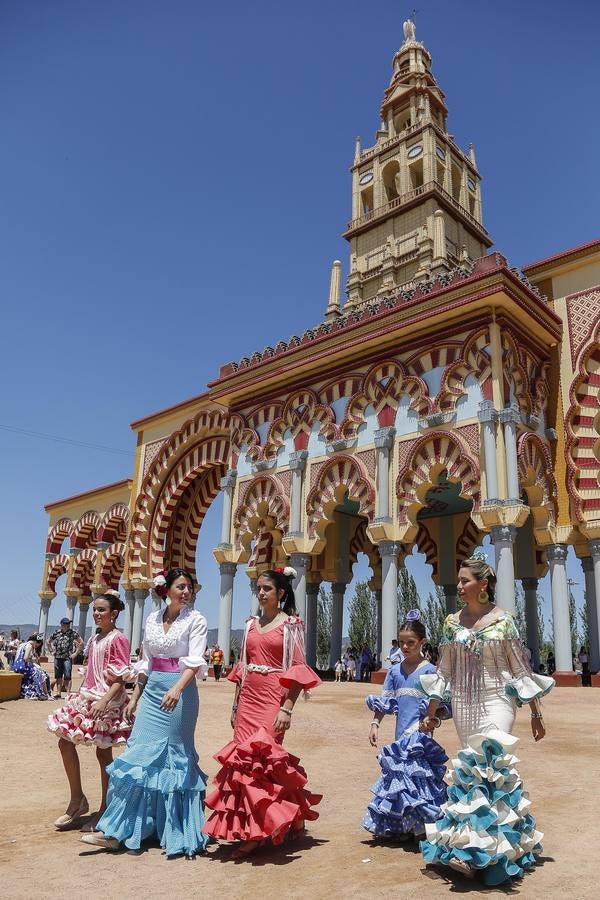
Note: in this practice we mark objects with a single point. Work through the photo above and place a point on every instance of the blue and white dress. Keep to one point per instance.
(34, 684)
(411, 789)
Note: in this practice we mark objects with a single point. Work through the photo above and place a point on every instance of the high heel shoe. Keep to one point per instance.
(68, 819)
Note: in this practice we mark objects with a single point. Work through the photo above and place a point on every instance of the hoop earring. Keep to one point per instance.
(483, 597)
(167, 601)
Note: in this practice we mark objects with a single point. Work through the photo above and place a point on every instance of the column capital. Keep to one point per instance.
(556, 553)
(338, 587)
(510, 415)
(300, 559)
(503, 534)
(594, 550)
(45, 604)
(75, 551)
(384, 437)
(313, 587)
(227, 568)
(72, 594)
(486, 412)
(228, 480)
(49, 556)
(140, 594)
(298, 459)
(530, 584)
(102, 545)
(389, 548)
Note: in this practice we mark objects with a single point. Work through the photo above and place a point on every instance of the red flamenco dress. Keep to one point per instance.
(261, 789)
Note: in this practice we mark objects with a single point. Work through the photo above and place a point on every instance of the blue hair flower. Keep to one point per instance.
(413, 615)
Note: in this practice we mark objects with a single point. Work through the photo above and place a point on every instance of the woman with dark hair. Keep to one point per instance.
(486, 825)
(156, 787)
(33, 683)
(261, 790)
(95, 716)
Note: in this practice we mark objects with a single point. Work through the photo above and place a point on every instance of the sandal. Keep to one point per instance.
(248, 848)
(462, 867)
(68, 819)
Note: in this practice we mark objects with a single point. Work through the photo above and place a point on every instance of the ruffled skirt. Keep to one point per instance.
(74, 721)
(486, 821)
(33, 683)
(156, 788)
(410, 791)
(260, 792)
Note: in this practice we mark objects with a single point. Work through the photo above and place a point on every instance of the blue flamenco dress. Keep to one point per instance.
(411, 789)
(486, 821)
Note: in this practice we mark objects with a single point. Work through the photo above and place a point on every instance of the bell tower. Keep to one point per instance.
(416, 197)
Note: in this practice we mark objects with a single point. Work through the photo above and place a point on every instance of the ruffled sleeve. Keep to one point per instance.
(523, 685)
(385, 703)
(296, 671)
(236, 674)
(119, 662)
(437, 684)
(197, 637)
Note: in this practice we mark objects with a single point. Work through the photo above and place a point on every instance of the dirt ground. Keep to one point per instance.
(337, 858)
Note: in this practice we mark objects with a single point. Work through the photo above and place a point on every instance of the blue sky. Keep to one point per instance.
(175, 184)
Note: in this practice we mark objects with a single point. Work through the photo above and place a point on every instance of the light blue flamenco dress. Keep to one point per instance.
(486, 821)
(411, 789)
(156, 788)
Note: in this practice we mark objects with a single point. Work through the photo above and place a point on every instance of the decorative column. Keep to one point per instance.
(297, 465)
(138, 618)
(556, 555)
(439, 237)
(43, 620)
(83, 612)
(301, 563)
(451, 595)
(510, 417)
(591, 606)
(487, 417)
(227, 570)
(71, 597)
(530, 587)
(379, 645)
(338, 589)
(384, 441)
(227, 486)
(389, 552)
(253, 597)
(595, 554)
(156, 601)
(503, 537)
(128, 615)
(312, 599)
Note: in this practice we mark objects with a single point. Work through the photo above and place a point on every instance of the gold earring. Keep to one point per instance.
(483, 597)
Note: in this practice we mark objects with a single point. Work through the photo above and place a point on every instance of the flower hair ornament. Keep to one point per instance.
(160, 586)
(413, 615)
(287, 571)
(110, 592)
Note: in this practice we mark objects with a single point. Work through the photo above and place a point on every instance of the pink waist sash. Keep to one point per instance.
(160, 664)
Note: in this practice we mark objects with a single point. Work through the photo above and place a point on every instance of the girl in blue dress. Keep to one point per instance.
(411, 789)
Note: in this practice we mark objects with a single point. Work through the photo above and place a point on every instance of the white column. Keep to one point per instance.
(487, 417)
(451, 595)
(509, 417)
(227, 486)
(128, 615)
(71, 604)
(297, 465)
(137, 625)
(556, 555)
(377, 593)
(301, 563)
(503, 537)
(43, 620)
(591, 606)
(389, 552)
(253, 597)
(439, 235)
(312, 595)
(595, 554)
(530, 588)
(338, 589)
(384, 441)
(227, 571)
(83, 613)
(156, 601)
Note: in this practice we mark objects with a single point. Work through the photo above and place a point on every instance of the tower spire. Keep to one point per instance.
(333, 307)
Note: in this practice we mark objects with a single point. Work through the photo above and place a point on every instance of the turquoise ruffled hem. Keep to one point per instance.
(485, 821)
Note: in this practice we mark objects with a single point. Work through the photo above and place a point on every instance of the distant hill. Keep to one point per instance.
(28, 628)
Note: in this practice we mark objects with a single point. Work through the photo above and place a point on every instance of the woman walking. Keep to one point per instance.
(261, 790)
(486, 824)
(156, 787)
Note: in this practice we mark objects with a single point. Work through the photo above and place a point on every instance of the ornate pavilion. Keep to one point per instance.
(449, 397)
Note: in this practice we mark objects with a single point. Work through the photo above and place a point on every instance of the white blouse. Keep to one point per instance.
(185, 640)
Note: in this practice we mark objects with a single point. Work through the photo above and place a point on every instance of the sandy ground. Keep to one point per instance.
(337, 858)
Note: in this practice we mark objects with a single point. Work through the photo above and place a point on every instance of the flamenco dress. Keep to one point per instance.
(107, 657)
(156, 788)
(33, 682)
(411, 788)
(261, 789)
(486, 821)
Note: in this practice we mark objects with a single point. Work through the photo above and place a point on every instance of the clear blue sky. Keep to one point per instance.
(174, 186)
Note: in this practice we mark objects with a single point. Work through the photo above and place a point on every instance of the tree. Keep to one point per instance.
(573, 620)
(408, 598)
(324, 605)
(520, 613)
(434, 614)
(362, 610)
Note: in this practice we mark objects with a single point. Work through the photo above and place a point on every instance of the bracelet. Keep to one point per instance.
(287, 711)
(375, 723)
(537, 715)
(435, 719)
(234, 708)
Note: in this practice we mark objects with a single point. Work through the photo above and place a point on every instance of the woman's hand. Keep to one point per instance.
(538, 729)
(428, 725)
(130, 709)
(281, 722)
(373, 735)
(99, 707)
(170, 699)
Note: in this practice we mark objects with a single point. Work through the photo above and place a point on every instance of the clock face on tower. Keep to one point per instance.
(366, 178)
(471, 184)
(440, 152)
(415, 151)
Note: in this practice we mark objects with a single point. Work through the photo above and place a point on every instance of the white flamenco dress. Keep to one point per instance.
(486, 820)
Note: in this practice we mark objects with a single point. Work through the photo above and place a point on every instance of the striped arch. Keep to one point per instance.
(361, 543)
(582, 424)
(426, 544)
(343, 476)
(57, 566)
(113, 563)
(431, 455)
(537, 480)
(300, 412)
(240, 436)
(264, 509)
(516, 381)
(262, 551)
(84, 569)
(61, 530)
(187, 519)
(201, 443)
(469, 538)
(85, 531)
(113, 525)
(473, 360)
(383, 388)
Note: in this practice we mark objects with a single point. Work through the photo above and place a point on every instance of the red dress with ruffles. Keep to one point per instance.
(261, 789)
